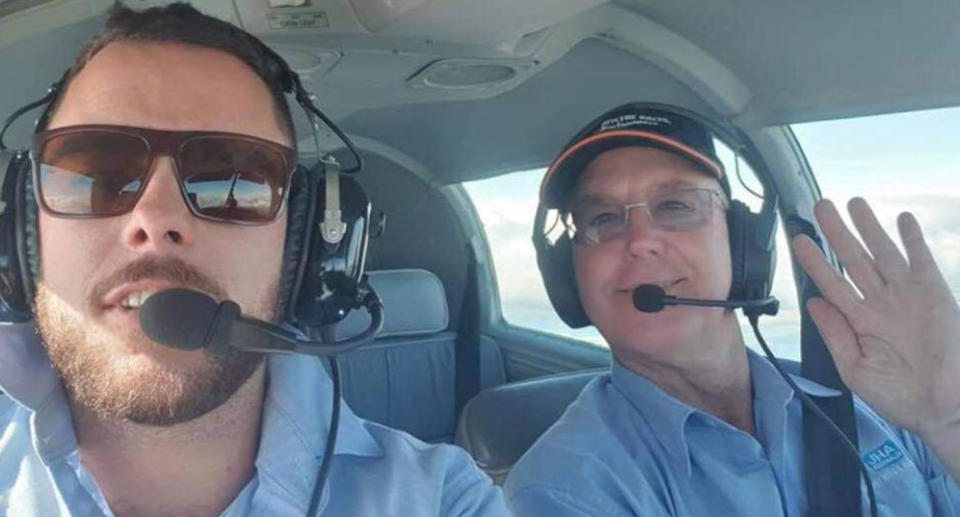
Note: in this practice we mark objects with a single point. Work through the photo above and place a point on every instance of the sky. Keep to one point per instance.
(898, 162)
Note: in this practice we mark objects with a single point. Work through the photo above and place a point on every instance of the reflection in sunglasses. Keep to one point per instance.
(101, 171)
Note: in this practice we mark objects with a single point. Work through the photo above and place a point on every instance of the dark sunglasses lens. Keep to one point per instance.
(233, 179)
(92, 172)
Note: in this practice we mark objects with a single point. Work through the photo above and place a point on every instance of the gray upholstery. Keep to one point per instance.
(530, 407)
(405, 378)
(415, 303)
(501, 423)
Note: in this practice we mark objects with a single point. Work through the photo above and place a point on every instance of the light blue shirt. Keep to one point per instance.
(625, 447)
(376, 471)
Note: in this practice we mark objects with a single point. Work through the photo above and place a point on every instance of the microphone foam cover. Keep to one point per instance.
(178, 318)
(648, 298)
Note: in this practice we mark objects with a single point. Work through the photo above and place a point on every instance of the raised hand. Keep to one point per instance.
(896, 342)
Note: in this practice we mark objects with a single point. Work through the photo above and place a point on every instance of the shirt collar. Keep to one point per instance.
(667, 416)
(26, 374)
(28, 378)
(769, 385)
(295, 422)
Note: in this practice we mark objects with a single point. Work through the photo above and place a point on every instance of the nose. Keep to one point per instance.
(160, 221)
(643, 238)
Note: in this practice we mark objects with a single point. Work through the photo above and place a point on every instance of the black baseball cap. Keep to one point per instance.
(634, 124)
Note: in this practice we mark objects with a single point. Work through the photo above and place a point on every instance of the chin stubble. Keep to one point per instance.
(115, 385)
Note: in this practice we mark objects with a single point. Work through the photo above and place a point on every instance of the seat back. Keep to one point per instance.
(405, 378)
(498, 425)
(501, 423)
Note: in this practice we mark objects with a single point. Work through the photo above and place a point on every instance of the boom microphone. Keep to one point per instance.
(652, 298)
(190, 320)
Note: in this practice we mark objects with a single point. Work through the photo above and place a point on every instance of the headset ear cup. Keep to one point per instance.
(15, 271)
(736, 230)
(31, 233)
(294, 249)
(556, 266)
(752, 252)
(761, 259)
(27, 234)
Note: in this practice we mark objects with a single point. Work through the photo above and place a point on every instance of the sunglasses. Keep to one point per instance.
(598, 220)
(101, 171)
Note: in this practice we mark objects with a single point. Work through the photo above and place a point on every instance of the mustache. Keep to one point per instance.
(169, 269)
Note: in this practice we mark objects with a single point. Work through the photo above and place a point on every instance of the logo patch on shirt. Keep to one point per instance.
(887, 454)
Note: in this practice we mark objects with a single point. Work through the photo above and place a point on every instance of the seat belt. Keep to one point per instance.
(467, 350)
(831, 474)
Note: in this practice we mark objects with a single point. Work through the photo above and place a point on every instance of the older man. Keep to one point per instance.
(132, 201)
(689, 422)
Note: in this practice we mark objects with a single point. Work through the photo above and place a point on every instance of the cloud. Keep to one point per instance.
(508, 224)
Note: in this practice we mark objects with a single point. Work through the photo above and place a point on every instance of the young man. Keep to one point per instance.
(689, 422)
(100, 420)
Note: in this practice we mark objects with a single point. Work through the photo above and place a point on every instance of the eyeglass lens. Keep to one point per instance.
(102, 173)
(598, 220)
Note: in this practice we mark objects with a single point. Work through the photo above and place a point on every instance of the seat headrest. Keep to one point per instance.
(414, 303)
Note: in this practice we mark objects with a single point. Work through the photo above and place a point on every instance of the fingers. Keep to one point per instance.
(837, 334)
(853, 257)
(922, 262)
(887, 259)
(831, 283)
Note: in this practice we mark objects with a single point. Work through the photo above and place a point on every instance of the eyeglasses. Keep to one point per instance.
(598, 220)
(101, 171)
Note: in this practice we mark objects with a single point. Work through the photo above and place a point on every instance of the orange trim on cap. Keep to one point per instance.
(611, 134)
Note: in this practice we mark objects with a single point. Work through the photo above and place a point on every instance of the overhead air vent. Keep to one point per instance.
(311, 64)
(457, 74)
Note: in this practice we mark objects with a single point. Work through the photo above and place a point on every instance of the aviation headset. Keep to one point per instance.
(752, 243)
(323, 261)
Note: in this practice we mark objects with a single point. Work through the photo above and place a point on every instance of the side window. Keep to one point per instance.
(897, 162)
(507, 205)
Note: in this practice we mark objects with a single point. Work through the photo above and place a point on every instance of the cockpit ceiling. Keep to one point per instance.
(370, 62)
(9, 7)
(817, 60)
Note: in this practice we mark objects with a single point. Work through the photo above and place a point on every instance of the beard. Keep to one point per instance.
(101, 378)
